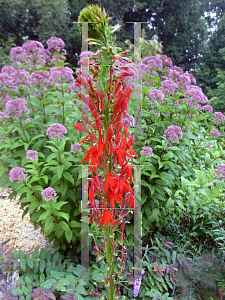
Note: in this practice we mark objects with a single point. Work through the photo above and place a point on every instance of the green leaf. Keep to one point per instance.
(53, 149)
(48, 284)
(201, 180)
(69, 236)
(154, 215)
(28, 280)
(45, 178)
(23, 264)
(42, 266)
(30, 263)
(35, 253)
(60, 169)
(42, 254)
(44, 215)
(184, 183)
(49, 225)
(65, 226)
(50, 157)
(33, 206)
(68, 176)
(55, 257)
(180, 204)
(75, 224)
(63, 215)
(63, 188)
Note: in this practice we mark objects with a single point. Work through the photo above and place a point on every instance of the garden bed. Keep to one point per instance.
(22, 234)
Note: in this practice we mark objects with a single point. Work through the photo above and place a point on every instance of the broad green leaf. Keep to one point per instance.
(63, 215)
(75, 224)
(63, 188)
(69, 236)
(60, 169)
(68, 176)
(65, 226)
(33, 206)
(44, 215)
(180, 204)
(184, 183)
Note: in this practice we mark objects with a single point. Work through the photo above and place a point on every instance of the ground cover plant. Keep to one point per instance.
(182, 147)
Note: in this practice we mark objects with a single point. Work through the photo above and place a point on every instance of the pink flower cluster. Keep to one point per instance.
(156, 94)
(17, 174)
(215, 132)
(32, 155)
(16, 105)
(208, 108)
(75, 147)
(218, 116)
(31, 50)
(172, 133)
(147, 151)
(128, 120)
(48, 194)
(56, 130)
(220, 172)
(58, 74)
(197, 95)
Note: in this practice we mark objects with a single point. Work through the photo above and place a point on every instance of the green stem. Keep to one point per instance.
(110, 261)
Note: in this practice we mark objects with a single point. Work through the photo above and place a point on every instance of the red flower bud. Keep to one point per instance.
(120, 58)
(103, 48)
(97, 93)
(110, 132)
(110, 47)
(125, 52)
(78, 80)
(97, 53)
(95, 74)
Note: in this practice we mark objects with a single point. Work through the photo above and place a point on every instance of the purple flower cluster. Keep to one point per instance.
(208, 146)
(32, 155)
(16, 105)
(48, 194)
(55, 43)
(208, 108)
(17, 174)
(2, 115)
(218, 116)
(61, 73)
(55, 130)
(169, 86)
(137, 284)
(128, 120)
(147, 151)
(173, 132)
(215, 132)
(220, 172)
(197, 95)
(40, 76)
(75, 147)
(31, 50)
(85, 55)
(155, 94)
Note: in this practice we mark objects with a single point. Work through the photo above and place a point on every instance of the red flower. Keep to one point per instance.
(106, 216)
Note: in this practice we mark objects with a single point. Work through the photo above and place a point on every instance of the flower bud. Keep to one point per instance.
(95, 74)
(110, 47)
(110, 132)
(97, 53)
(125, 52)
(104, 48)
